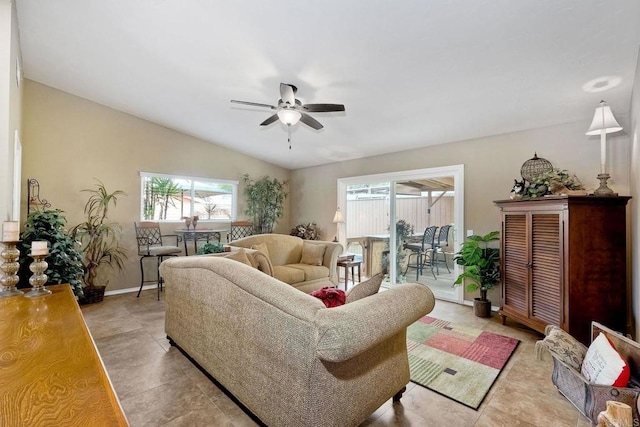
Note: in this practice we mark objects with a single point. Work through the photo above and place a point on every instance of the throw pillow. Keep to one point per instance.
(564, 347)
(603, 365)
(261, 262)
(331, 297)
(240, 256)
(365, 289)
(312, 254)
(262, 247)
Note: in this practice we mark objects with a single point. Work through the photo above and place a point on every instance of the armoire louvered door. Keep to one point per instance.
(546, 269)
(563, 262)
(515, 257)
(531, 267)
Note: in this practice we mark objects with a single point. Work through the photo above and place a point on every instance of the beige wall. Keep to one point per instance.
(490, 163)
(634, 160)
(68, 141)
(10, 103)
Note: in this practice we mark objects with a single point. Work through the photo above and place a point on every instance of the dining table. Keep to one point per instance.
(199, 235)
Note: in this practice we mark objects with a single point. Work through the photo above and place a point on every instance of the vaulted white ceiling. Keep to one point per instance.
(410, 73)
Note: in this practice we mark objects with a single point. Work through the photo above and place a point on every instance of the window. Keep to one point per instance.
(170, 198)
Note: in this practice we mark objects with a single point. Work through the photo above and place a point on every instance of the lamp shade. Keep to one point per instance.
(337, 218)
(603, 120)
(289, 117)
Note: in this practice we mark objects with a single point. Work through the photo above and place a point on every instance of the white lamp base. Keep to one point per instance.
(603, 190)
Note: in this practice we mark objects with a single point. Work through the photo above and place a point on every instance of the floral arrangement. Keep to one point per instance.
(542, 184)
(306, 231)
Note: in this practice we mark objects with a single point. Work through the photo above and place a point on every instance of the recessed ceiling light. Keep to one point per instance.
(601, 84)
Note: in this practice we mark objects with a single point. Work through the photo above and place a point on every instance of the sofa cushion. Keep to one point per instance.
(287, 274)
(311, 272)
(312, 254)
(365, 289)
(603, 365)
(240, 256)
(262, 247)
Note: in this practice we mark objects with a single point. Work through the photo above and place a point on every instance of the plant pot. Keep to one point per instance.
(92, 295)
(481, 308)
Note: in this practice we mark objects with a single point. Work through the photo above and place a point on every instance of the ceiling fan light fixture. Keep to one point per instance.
(289, 117)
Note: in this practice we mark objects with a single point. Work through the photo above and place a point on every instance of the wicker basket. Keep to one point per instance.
(92, 295)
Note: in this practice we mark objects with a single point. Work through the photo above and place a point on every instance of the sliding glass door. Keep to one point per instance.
(413, 201)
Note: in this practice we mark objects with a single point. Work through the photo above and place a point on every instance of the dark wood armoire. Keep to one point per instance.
(564, 262)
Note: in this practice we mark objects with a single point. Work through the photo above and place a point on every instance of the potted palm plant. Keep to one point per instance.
(100, 241)
(482, 269)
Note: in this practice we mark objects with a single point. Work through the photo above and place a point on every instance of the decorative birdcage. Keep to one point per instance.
(535, 167)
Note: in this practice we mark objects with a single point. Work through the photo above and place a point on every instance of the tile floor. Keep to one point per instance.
(158, 386)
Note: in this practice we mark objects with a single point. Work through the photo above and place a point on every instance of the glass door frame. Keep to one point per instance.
(457, 171)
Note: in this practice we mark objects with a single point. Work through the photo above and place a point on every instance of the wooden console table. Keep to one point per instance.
(50, 370)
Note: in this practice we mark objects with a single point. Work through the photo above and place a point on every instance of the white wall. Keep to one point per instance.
(68, 141)
(10, 102)
(491, 164)
(634, 133)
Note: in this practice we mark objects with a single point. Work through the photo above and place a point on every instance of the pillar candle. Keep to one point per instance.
(10, 231)
(39, 248)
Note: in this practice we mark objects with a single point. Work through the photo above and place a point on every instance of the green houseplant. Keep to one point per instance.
(211, 248)
(482, 268)
(403, 230)
(65, 261)
(265, 202)
(100, 241)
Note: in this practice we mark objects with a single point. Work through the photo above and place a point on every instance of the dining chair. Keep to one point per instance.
(239, 229)
(440, 246)
(151, 245)
(423, 251)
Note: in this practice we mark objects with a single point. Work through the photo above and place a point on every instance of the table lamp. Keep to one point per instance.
(337, 219)
(602, 124)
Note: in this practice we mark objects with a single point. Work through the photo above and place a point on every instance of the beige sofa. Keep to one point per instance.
(292, 259)
(280, 352)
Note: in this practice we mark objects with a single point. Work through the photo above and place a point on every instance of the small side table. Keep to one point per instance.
(349, 263)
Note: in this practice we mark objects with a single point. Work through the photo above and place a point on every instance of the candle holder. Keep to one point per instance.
(38, 279)
(10, 267)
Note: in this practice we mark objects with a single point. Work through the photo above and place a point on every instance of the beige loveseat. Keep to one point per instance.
(294, 260)
(280, 352)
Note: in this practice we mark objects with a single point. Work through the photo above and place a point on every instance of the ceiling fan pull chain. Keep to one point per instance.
(289, 138)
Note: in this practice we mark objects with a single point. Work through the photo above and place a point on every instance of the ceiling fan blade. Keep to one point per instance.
(255, 104)
(288, 93)
(270, 120)
(310, 121)
(322, 108)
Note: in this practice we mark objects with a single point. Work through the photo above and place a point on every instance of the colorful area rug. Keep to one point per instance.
(457, 361)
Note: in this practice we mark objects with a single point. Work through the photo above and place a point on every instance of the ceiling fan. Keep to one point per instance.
(290, 110)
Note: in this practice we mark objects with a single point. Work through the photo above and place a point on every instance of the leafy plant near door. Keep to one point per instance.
(265, 202)
(100, 240)
(65, 261)
(403, 230)
(482, 268)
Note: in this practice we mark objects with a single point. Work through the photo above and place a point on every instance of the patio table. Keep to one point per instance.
(199, 234)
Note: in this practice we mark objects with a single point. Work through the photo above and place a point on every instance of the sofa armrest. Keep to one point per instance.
(330, 259)
(351, 329)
